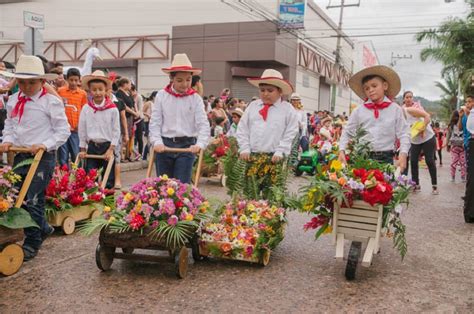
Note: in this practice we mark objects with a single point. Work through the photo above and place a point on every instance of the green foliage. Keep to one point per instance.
(17, 218)
(235, 176)
(23, 163)
(399, 239)
(176, 235)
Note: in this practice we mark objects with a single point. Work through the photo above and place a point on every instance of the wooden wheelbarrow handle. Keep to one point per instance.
(31, 172)
(105, 178)
(176, 150)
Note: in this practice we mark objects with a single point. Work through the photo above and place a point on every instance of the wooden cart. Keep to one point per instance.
(362, 223)
(67, 219)
(11, 253)
(129, 241)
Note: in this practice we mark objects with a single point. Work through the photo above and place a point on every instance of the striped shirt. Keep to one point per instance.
(73, 100)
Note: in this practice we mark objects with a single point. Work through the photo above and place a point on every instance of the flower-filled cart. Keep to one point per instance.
(74, 195)
(156, 214)
(242, 230)
(13, 218)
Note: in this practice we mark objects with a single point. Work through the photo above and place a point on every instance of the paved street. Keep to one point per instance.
(436, 276)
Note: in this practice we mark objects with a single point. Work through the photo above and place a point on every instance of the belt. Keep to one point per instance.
(97, 143)
(179, 139)
(382, 153)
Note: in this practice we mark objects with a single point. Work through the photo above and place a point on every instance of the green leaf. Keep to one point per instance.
(17, 218)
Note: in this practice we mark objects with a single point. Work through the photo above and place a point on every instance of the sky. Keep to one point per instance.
(378, 20)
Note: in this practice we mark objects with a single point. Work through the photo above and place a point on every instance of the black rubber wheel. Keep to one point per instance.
(195, 250)
(353, 260)
(128, 250)
(104, 257)
(298, 172)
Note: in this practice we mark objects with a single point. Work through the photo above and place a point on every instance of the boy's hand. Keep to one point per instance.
(342, 157)
(109, 154)
(402, 162)
(36, 147)
(160, 148)
(82, 155)
(125, 138)
(276, 159)
(195, 149)
(4, 147)
(245, 156)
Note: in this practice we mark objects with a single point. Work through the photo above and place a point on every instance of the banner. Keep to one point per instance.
(291, 14)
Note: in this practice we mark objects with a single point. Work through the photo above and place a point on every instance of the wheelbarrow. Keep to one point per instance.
(130, 240)
(11, 253)
(67, 219)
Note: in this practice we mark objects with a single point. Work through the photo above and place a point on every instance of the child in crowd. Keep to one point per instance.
(35, 119)
(382, 118)
(178, 120)
(455, 146)
(99, 124)
(295, 100)
(236, 116)
(73, 98)
(219, 128)
(270, 124)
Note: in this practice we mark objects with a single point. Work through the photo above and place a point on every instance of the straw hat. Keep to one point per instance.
(96, 75)
(389, 75)
(238, 112)
(272, 77)
(328, 118)
(29, 67)
(181, 63)
(295, 96)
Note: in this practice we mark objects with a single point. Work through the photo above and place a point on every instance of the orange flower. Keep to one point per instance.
(333, 176)
(226, 248)
(342, 181)
(4, 205)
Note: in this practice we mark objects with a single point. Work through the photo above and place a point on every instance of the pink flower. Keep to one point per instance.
(173, 220)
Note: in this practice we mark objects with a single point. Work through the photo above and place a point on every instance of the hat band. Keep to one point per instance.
(184, 67)
(26, 73)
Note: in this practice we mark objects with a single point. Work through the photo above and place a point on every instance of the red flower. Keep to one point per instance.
(378, 175)
(96, 197)
(178, 204)
(75, 199)
(360, 173)
(380, 194)
(65, 168)
(137, 222)
(57, 203)
(315, 222)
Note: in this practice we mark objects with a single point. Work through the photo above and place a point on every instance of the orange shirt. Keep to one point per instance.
(74, 100)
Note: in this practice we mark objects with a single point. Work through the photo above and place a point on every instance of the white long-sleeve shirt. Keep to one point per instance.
(302, 122)
(275, 135)
(173, 116)
(44, 122)
(102, 126)
(382, 132)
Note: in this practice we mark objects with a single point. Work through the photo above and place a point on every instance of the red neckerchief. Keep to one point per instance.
(108, 105)
(20, 104)
(170, 91)
(264, 111)
(376, 107)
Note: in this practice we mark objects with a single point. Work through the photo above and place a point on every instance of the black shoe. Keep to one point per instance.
(29, 253)
(45, 235)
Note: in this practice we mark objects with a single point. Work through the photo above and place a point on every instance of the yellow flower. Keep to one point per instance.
(170, 191)
(336, 165)
(234, 234)
(254, 217)
(189, 217)
(164, 177)
(128, 197)
(111, 219)
(251, 207)
(107, 209)
(138, 207)
(328, 230)
(243, 219)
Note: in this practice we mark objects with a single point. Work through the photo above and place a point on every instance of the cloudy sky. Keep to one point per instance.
(378, 20)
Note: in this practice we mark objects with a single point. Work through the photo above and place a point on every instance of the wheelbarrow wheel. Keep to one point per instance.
(298, 172)
(181, 262)
(95, 214)
(224, 180)
(128, 250)
(104, 256)
(195, 250)
(265, 258)
(11, 259)
(69, 225)
(353, 260)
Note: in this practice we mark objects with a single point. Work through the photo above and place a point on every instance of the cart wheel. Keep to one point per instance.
(11, 259)
(104, 256)
(224, 180)
(195, 250)
(265, 258)
(95, 214)
(353, 259)
(181, 262)
(69, 224)
(298, 172)
(128, 250)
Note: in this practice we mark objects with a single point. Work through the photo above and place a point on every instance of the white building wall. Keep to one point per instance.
(309, 94)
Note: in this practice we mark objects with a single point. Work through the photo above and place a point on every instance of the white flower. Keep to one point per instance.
(398, 209)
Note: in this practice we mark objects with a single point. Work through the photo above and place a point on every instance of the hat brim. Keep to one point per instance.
(28, 76)
(193, 71)
(86, 79)
(239, 113)
(388, 74)
(284, 85)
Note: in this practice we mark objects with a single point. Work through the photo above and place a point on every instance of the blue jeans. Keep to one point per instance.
(100, 164)
(70, 148)
(176, 165)
(35, 197)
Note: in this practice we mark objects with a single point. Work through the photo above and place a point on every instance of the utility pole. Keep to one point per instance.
(394, 59)
(337, 52)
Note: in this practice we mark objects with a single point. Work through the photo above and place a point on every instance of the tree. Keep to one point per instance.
(452, 44)
(450, 94)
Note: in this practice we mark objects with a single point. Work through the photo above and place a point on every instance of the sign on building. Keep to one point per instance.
(33, 20)
(291, 14)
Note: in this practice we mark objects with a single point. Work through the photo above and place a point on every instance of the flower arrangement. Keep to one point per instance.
(214, 152)
(73, 187)
(10, 216)
(162, 207)
(244, 230)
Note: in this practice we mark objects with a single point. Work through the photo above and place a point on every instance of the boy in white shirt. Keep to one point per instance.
(269, 124)
(237, 114)
(178, 120)
(99, 123)
(37, 120)
(382, 118)
(295, 100)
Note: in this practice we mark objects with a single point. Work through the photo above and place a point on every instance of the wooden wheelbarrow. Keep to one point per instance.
(361, 223)
(67, 219)
(130, 240)
(11, 253)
